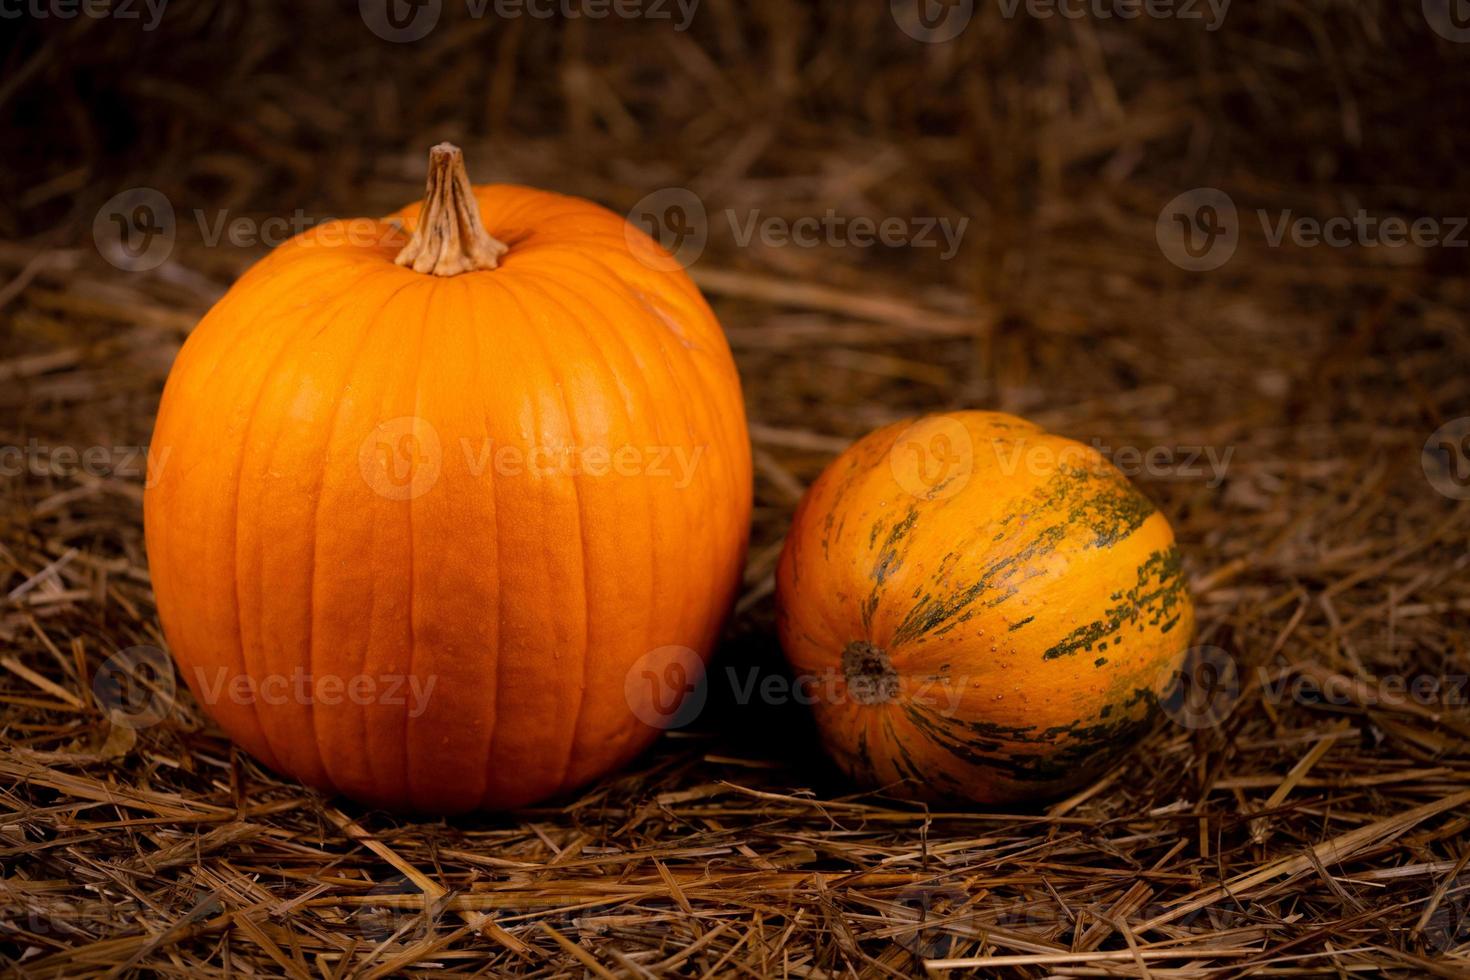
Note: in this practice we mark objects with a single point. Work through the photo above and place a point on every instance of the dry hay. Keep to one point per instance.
(1306, 834)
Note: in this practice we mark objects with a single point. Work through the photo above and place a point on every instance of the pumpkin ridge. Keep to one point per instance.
(249, 661)
(585, 564)
(311, 574)
(634, 293)
(188, 353)
(289, 352)
(376, 766)
(245, 327)
(535, 337)
(409, 769)
(613, 281)
(493, 691)
(700, 363)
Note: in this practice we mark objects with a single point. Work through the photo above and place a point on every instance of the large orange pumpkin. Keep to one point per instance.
(983, 609)
(416, 521)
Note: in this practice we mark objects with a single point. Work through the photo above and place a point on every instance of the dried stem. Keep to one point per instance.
(450, 237)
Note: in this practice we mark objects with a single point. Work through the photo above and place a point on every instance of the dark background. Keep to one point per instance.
(1328, 547)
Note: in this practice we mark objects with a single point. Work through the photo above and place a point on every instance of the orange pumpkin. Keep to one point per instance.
(424, 502)
(986, 610)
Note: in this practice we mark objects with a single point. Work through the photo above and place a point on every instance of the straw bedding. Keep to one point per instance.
(1316, 821)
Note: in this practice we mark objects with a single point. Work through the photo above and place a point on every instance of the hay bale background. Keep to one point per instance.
(1303, 835)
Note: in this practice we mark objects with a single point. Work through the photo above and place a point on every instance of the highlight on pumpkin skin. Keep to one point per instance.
(1044, 601)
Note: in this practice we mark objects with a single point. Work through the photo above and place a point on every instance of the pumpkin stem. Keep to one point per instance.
(871, 678)
(450, 238)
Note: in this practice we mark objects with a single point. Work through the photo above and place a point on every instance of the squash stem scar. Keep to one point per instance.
(871, 678)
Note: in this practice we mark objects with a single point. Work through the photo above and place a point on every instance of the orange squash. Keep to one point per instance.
(985, 610)
(431, 486)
